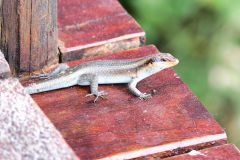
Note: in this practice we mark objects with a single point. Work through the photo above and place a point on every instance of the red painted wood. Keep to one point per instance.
(95, 27)
(83, 11)
(223, 152)
(123, 126)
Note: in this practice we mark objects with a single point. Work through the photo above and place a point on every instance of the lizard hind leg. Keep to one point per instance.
(60, 68)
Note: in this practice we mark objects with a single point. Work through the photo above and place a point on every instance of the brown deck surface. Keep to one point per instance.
(223, 152)
(96, 27)
(123, 126)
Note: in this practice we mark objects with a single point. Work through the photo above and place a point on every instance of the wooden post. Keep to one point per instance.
(28, 33)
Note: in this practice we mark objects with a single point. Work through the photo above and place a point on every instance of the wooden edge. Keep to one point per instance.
(225, 151)
(129, 36)
(25, 130)
(236, 148)
(105, 49)
(167, 147)
(4, 67)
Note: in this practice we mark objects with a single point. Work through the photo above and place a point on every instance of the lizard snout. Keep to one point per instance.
(171, 60)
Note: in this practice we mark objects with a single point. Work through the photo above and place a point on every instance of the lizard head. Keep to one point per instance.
(162, 60)
(155, 63)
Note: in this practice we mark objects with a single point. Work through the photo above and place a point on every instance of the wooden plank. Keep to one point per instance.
(227, 151)
(29, 34)
(4, 67)
(25, 132)
(98, 27)
(123, 126)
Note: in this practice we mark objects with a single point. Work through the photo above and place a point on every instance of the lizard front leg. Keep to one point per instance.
(93, 80)
(132, 87)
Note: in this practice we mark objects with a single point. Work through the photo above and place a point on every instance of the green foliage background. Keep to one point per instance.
(205, 36)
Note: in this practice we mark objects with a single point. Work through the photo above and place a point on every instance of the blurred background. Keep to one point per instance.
(205, 36)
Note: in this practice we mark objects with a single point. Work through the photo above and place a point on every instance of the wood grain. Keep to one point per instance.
(123, 126)
(227, 151)
(98, 27)
(9, 33)
(29, 33)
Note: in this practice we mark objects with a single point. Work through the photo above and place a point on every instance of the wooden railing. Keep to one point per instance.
(170, 124)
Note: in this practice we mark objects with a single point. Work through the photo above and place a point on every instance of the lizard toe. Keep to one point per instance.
(145, 96)
(101, 94)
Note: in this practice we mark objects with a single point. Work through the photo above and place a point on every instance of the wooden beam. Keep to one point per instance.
(28, 33)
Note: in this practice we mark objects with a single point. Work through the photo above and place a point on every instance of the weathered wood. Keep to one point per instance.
(97, 27)
(9, 33)
(4, 67)
(29, 33)
(122, 126)
(25, 132)
(223, 152)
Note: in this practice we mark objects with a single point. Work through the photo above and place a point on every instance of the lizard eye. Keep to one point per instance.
(164, 60)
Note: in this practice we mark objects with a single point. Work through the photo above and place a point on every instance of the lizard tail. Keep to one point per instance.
(48, 85)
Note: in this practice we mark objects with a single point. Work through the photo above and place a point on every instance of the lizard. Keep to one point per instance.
(96, 72)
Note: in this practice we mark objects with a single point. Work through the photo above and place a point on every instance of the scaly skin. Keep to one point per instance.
(92, 73)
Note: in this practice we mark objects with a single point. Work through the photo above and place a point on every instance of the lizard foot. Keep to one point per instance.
(145, 96)
(101, 94)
